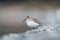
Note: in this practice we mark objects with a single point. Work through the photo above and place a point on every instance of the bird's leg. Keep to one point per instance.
(33, 28)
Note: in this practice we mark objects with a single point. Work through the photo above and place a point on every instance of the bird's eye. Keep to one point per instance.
(27, 16)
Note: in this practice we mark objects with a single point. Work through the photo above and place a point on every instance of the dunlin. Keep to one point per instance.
(32, 22)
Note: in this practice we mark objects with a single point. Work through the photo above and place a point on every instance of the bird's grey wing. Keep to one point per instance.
(37, 21)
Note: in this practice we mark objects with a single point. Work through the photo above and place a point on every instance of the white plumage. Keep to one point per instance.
(31, 24)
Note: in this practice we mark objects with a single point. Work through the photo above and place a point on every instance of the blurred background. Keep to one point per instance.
(13, 12)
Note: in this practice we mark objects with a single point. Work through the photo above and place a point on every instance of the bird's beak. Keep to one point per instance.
(24, 20)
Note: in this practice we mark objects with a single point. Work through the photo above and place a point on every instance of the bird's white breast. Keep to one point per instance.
(31, 24)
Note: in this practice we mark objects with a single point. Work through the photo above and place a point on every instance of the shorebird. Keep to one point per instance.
(32, 22)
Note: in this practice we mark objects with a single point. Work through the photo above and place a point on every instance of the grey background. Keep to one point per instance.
(12, 15)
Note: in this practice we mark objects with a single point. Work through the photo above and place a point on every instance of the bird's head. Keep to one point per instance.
(28, 17)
